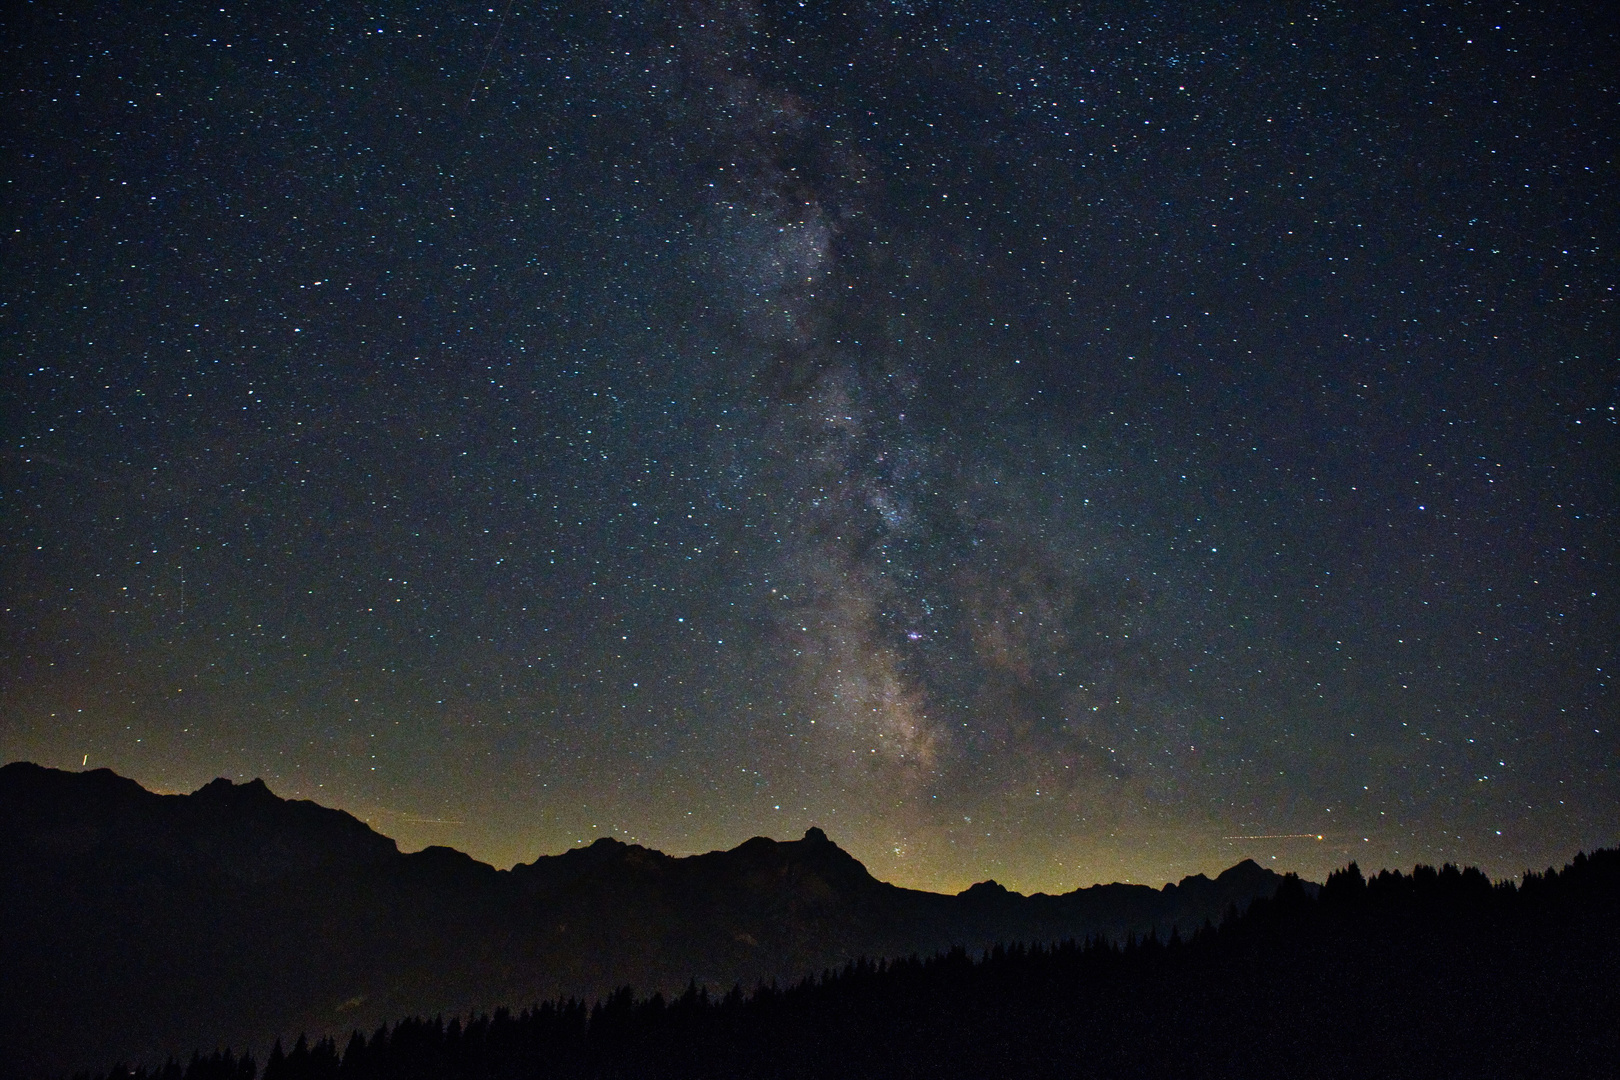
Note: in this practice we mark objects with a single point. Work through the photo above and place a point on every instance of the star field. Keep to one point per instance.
(1056, 445)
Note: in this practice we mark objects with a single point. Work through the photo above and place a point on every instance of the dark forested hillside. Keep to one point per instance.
(1437, 973)
(141, 925)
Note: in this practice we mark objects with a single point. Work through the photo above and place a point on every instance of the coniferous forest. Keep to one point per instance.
(1433, 973)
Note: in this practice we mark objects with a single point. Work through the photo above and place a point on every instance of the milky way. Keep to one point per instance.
(924, 624)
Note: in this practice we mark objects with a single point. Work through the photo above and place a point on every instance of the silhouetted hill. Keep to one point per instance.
(140, 925)
(1435, 974)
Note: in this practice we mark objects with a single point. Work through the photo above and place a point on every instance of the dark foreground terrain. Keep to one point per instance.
(1435, 974)
(138, 926)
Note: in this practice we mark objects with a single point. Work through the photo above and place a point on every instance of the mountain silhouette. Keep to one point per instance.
(140, 925)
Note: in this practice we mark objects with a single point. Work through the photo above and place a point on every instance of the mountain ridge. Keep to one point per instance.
(150, 924)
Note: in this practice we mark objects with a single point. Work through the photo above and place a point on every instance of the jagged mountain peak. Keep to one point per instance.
(245, 830)
(987, 889)
(1246, 867)
(252, 790)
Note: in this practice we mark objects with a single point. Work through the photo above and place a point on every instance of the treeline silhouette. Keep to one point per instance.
(1433, 973)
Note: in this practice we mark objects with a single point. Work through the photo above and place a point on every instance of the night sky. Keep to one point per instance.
(1043, 442)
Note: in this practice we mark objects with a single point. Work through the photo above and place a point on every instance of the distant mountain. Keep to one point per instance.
(138, 925)
(1439, 973)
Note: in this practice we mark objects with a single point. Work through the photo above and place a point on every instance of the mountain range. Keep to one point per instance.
(138, 925)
